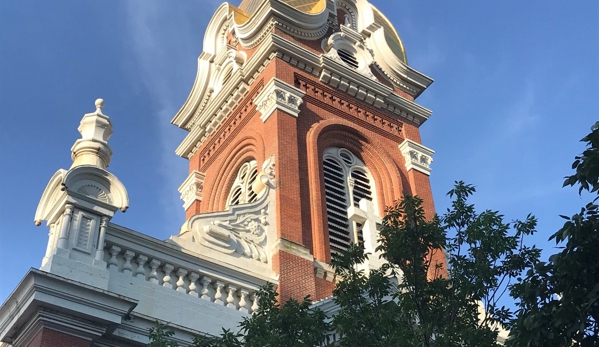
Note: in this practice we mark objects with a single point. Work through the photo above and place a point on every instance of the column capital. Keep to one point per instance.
(191, 189)
(417, 156)
(278, 95)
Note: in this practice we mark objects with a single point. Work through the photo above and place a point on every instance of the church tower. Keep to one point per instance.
(302, 127)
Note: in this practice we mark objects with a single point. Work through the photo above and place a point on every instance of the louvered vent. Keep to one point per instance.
(361, 191)
(252, 196)
(348, 58)
(337, 201)
(361, 187)
(341, 191)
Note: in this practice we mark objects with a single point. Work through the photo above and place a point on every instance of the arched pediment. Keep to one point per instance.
(97, 184)
(52, 194)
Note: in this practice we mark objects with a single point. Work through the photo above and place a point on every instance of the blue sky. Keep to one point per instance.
(516, 86)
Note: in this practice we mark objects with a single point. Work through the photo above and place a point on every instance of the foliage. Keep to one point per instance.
(294, 324)
(416, 298)
(559, 300)
(425, 306)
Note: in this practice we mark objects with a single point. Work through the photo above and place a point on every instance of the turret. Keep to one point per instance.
(78, 203)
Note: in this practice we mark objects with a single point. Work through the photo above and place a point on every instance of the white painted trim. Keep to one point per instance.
(191, 189)
(417, 156)
(278, 95)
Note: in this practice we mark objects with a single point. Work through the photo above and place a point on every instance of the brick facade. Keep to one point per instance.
(328, 117)
(51, 338)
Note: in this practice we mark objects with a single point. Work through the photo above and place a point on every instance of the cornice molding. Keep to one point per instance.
(417, 156)
(211, 111)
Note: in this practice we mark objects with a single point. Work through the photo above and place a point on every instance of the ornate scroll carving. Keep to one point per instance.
(245, 235)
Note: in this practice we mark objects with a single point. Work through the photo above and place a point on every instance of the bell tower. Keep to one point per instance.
(302, 126)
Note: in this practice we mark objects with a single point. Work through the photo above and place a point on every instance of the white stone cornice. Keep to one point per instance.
(278, 95)
(417, 156)
(192, 187)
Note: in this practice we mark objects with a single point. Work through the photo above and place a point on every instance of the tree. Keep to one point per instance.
(414, 299)
(295, 324)
(433, 303)
(559, 300)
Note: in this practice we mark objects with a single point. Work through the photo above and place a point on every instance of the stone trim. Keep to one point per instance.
(278, 95)
(417, 156)
(191, 189)
(291, 247)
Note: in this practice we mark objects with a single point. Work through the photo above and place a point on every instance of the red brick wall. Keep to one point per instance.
(296, 276)
(328, 117)
(52, 338)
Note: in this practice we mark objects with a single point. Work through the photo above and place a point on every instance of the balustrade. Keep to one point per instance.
(182, 279)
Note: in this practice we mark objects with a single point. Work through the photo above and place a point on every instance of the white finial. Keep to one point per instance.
(92, 148)
(99, 105)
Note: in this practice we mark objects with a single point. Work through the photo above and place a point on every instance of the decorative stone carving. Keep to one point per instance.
(278, 95)
(417, 156)
(245, 235)
(192, 187)
(351, 42)
(94, 191)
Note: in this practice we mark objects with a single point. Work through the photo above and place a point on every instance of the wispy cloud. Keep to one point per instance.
(521, 115)
(160, 34)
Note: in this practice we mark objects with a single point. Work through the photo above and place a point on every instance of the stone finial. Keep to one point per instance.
(92, 148)
(99, 105)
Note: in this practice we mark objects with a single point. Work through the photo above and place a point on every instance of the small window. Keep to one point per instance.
(348, 58)
(241, 192)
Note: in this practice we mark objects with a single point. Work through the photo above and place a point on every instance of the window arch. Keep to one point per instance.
(242, 192)
(346, 181)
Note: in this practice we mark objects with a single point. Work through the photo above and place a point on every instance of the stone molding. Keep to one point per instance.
(191, 189)
(334, 99)
(417, 156)
(294, 248)
(278, 95)
(44, 299)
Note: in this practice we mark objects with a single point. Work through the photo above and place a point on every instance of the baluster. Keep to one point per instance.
(231, 289)
(166, 280)
(127, 267)
(181, 281)
(218, 296)
(140, 272)
(193, 289)
(255, 306)
(205, 281)
(113, 263)
(154, 264)
(243, 303)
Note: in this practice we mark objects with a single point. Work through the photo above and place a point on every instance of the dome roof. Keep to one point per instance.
(391, 36)
(306, 6)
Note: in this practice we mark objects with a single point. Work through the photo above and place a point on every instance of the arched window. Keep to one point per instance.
(241, 191)
(346, 181)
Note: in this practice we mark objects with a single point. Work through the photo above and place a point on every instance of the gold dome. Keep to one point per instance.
(391, 36)
(306, 6)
